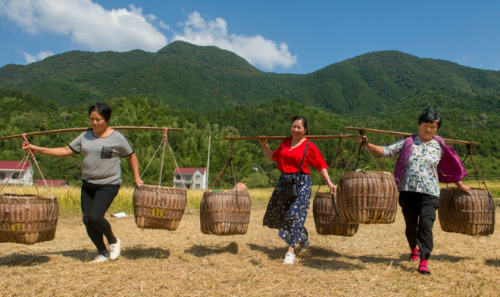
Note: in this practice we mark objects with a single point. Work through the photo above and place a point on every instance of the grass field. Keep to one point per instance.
(186, 262)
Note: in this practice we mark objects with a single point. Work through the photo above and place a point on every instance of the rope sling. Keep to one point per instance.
(164, 143)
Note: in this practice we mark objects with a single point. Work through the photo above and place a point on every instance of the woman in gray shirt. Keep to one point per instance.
(102, 149)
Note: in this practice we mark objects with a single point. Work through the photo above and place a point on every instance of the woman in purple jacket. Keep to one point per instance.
(424, 161)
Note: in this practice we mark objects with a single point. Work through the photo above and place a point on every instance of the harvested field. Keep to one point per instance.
(188, 263)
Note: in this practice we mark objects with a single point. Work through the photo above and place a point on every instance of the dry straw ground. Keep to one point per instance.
(188, 263)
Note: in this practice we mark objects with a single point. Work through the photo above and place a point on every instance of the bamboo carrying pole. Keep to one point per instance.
(87, 128)
(288, 137)
(406, 135)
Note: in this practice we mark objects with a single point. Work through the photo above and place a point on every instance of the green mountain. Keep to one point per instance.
(183, 75)
(206, 79)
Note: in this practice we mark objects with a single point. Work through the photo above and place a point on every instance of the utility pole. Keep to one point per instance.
(208, 158)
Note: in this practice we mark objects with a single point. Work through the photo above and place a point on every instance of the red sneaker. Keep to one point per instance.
(422, 268)
(414, 255)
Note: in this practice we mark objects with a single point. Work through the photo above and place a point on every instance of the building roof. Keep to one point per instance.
(51, 183)
(189, 170)
(12, 165)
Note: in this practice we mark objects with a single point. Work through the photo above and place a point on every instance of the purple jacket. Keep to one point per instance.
(450, 168)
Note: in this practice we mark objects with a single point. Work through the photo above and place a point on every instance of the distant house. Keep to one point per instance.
(16, 172)
(52, 183)
(194, 178)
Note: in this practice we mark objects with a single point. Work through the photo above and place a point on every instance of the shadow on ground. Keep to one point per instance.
(202, 251)
(447, 258)
(81, 255)
(23, 260)
(493, 262)
(37, 259)
(322, 258)
(139, 252)
(273, 253)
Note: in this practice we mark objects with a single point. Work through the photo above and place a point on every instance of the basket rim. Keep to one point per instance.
(159, 187)
(24, 196)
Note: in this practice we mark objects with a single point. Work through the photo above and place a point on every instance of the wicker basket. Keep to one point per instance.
(27, 219)
(367, 197)
(466, 214)
(158, 207)
(326, 220)
(225, 212)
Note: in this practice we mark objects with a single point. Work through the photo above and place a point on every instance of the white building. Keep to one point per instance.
(18, 172)
(194, 178)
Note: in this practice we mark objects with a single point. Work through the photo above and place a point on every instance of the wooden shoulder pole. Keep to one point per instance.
(402, 134)
(311, 137)
(87, 128)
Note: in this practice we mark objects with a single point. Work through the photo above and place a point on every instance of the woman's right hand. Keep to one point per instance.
(27, 147)
(362, 139)
(263, 141)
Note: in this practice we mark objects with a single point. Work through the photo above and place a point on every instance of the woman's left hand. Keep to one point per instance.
(464, 188)
(332, 187)
(139, 182)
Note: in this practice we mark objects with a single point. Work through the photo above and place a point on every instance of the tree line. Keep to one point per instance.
(24, 112)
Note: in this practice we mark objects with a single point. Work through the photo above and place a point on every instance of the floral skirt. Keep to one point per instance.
(289, 216)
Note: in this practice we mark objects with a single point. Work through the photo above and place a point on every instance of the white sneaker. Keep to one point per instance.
(100, 259)
(114, 250)
(289, 258)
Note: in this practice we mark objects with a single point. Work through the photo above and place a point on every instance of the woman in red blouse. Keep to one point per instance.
(289, 216)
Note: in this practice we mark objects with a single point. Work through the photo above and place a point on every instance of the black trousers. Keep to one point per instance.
(96, 200)
(419, 211)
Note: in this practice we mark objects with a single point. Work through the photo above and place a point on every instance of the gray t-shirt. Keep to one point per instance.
(102, 156)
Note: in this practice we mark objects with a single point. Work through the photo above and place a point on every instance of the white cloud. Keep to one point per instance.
(93, 27)
(87, 23)
(164, 26)
(29, 58)
(40, 56)
(255, 49)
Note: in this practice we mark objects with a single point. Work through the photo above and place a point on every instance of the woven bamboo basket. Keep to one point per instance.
(27, 219)
(225, 212)
(158, 207)
(326, 220)
(462, 213)
(367, 197)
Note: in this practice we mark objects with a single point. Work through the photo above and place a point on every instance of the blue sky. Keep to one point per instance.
(277, 36)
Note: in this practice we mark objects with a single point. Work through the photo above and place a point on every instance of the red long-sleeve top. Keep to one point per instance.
(289, 159)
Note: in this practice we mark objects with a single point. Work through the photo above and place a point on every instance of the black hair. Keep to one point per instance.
(102, 109)
(304, 122)
(430, 115)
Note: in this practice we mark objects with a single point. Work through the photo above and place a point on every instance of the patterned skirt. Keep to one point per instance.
(289, 216)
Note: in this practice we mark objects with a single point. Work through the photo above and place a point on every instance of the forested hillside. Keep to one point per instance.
(207, 79)
(24, 112)
(183, 75)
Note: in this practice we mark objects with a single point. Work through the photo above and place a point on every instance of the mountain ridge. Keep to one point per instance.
(206, 79)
